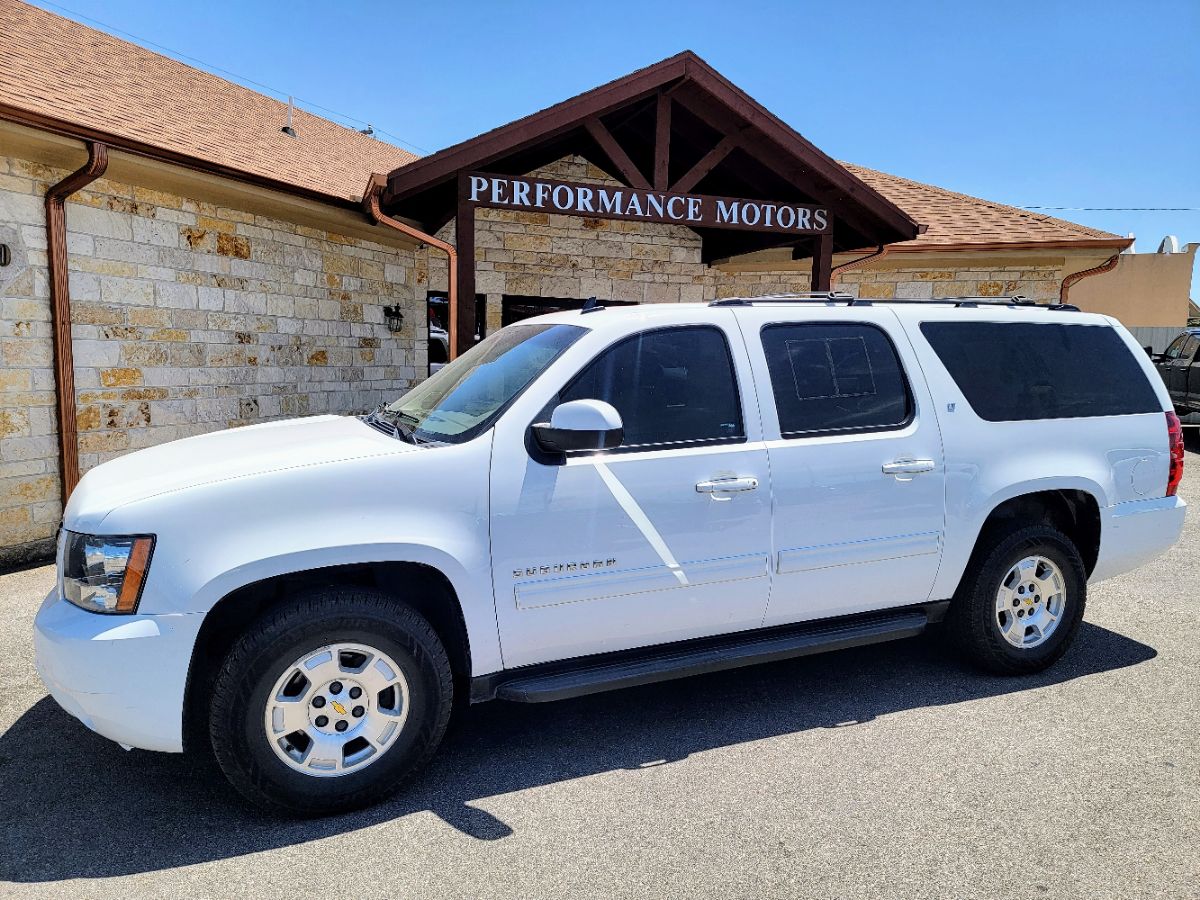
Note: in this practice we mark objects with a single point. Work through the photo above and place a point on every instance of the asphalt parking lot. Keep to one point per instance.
(888, 771)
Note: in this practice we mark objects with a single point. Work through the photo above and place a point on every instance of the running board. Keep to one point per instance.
(591, 675)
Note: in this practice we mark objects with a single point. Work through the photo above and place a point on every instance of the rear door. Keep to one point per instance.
(856, 460)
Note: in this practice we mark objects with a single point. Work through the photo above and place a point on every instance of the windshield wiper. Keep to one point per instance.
(392, 428)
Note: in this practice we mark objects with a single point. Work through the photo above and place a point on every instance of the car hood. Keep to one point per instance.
(220, 456)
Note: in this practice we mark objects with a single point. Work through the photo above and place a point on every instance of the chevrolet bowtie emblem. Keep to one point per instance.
(341, 710)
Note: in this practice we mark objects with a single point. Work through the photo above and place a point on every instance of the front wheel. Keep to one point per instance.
(329, 702)
(1021, 600)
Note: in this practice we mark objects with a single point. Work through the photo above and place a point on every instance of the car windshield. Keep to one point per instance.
(463, 398)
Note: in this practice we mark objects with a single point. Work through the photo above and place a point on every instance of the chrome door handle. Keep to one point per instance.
(908, 467)
(726, 485)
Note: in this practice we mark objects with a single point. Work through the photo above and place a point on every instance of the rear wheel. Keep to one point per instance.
(330, 702)
(1021, 601)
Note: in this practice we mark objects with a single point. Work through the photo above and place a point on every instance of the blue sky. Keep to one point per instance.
(1064, 104)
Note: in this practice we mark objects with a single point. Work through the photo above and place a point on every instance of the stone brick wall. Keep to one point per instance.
(911, 282)
(187, 317)
(544, 255)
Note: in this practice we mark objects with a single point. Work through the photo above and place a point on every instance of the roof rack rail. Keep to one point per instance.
(804, 297)
(834, 297)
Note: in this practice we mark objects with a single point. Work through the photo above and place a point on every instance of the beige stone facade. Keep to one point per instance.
(190, 315)
(187, 317)
(554, 256)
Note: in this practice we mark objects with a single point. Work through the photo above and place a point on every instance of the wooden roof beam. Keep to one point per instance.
(616, 153)
(706, 164)
(662, 142)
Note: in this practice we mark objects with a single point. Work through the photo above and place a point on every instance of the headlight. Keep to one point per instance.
(103, 573)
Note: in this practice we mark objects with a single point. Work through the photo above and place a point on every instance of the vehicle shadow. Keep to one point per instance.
(76, 806)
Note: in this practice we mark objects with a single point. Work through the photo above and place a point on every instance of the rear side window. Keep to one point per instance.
(1176, 348)
(1015, 371)
(836, 377)
(671, 386)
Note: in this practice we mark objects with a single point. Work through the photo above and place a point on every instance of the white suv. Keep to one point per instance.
(594, 500)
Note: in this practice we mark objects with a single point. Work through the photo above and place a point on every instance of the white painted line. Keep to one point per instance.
(641, 520)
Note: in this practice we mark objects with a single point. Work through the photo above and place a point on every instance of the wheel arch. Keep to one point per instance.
(423, 586)
(1073, 510)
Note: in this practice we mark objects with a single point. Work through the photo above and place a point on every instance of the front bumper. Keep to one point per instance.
(1134, 533)
(124, 677)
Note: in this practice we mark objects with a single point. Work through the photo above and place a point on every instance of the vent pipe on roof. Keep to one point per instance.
(288, 129)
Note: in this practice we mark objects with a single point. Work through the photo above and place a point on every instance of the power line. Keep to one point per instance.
(1118, 208)
(241, 78)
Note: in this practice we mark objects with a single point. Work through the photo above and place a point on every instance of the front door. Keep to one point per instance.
(1174, 367)
(663, 539)
(1179, 384)
(856, 462)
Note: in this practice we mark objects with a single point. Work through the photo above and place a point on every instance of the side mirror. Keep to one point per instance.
(580, 426)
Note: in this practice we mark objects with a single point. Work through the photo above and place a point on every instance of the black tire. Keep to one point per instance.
(259, 658)
(972, 619)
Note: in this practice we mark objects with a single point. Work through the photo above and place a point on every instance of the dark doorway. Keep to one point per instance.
(515, 307)
(438, 325)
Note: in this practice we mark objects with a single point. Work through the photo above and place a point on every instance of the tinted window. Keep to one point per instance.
(669, 386)
(835, 378)
(1173, 351)
(1189, 348)
(1010, 371)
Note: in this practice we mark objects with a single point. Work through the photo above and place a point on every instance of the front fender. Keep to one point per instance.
(428, 507)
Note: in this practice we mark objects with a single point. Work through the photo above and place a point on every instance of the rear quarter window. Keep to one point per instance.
(1015, 371)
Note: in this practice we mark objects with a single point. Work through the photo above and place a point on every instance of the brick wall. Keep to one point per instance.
(911, 282)
(545, 255)
(187, 317)
(542, 255)
(190, 317)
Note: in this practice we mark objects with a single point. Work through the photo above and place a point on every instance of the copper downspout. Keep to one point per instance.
(60, 310)
(1107, 266)
(370, 205)
(855, 263)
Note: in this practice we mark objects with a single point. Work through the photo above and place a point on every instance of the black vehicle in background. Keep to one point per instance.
(1179, 366)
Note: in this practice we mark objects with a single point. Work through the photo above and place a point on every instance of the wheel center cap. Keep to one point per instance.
(338, 707)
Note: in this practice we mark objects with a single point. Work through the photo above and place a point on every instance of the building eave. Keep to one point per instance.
(85, 133)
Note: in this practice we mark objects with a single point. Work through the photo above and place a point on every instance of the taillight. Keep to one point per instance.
(1175, 444)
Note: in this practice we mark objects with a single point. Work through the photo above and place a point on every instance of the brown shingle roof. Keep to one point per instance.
(956, 220)
(59, 69)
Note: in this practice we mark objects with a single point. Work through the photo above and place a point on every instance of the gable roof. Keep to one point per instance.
(959, 221)
(59, 74)
(135, 99)
(659, 124)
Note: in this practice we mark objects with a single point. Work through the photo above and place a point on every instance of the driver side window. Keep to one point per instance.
(671, 386)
